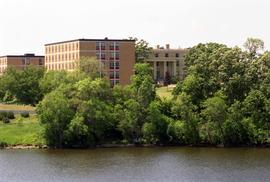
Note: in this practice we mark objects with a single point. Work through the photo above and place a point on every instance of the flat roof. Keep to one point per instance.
(24, 56)
(93, 40)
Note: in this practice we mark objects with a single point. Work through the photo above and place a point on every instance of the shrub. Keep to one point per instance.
(25, 114)
(6, 120)
(3, 114)
(3, 145)
(10, 115)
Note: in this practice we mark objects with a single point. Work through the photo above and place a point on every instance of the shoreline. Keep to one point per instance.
(28, 147)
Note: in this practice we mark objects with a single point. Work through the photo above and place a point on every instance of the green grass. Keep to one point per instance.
(164, 92)
(22, 131)
(16, 107)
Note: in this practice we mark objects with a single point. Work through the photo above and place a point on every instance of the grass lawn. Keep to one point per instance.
(22, 131)
(16, 107)
(164, 92)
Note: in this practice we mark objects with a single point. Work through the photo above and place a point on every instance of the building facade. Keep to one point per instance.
(20, 61)
(167, 64)
(116, 56)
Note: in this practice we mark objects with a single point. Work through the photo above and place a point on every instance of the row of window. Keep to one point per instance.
(166, 55)
(62, 47)
(3, 61)
(114, 82)
(167, 64)
(26, 61)
(72, 65)
(61, 66)
(102, 46)
(114, 74)
(102, 56)
(62, 57)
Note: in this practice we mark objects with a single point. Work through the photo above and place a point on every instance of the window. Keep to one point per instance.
(111, 74)
(40, 62)
(177, 63)
(112, 56)
(111, 65)
(156, 55)
(167, 63)
(177, 55)
(116, 46)
(116, 65)
(112, 46)
(157, 63)
(103, 56)
(117, 74)
(166, 55)
(112, 83)
(117, 55)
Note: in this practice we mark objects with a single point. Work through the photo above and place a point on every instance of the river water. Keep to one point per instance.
(176, 164)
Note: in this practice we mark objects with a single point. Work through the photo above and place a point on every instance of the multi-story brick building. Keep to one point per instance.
(167, 63)
(117, 56)
(20, 61)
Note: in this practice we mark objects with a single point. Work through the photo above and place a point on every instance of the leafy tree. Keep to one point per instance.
(55, 114)
(254, 45)
(155, 128)
(142, 50)
(91, 66)
(215, 113)
(51, 80)
(184, 111)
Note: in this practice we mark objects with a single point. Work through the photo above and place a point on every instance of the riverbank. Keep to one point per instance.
(25, 147)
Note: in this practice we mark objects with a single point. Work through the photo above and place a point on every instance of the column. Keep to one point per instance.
(164, 69)
(174, 68)
(155, 70)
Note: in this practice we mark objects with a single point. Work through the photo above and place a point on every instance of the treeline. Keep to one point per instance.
(224, 99)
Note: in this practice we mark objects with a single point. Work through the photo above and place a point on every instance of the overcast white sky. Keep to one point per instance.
(26, 25)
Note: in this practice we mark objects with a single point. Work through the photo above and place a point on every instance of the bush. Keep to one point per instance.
(10, 115)
(6, 120)
(3, 145)
(6, 114)
(25, 114)
(3, 114)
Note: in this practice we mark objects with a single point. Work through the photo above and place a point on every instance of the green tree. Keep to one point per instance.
(55, 114)
(215, 114)
(184, 111)
(142, 50)
(51, 80)
(91, 66)
(254, 45)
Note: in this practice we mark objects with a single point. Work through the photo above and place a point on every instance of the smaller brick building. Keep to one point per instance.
(20, 61)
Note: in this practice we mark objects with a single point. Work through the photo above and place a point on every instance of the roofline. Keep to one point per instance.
(25, 56)
(86, 40)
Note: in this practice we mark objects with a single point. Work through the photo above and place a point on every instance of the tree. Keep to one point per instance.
(55, 114)
(91, 66)
(51, 80)
(142, 50)
(215, 113)
(254, 45)
(184, 111)
(155, 128)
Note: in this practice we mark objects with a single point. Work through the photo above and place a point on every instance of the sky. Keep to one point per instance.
(26, 25)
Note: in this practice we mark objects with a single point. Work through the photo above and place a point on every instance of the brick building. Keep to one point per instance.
(117, 56)
(20, 61)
